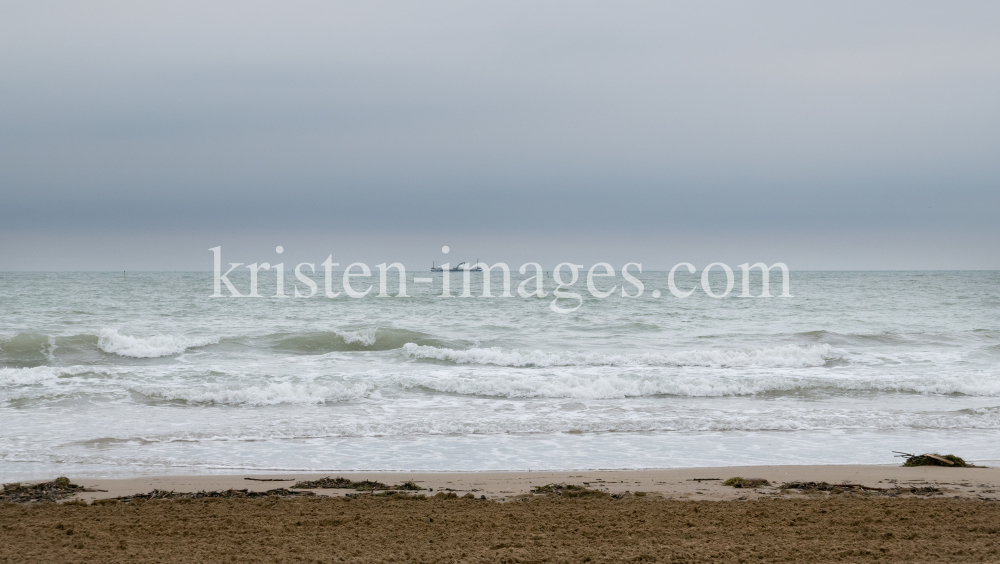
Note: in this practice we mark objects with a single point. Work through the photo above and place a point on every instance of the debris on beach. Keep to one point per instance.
(925, 490)
(739, 482)
(61, 488)
(556, 488)
(933, 459)
(408, 486)
(341, 484)
(816, 487)
(393, 494)
(57, 489)
(403, 494)
(362, 486)
(224, 494)
(813, 487)
(568, 490)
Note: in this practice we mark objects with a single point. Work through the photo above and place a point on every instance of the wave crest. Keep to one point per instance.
(111, 341)
(788, 356)
(27, 376)
(273, 393)
(367, 339)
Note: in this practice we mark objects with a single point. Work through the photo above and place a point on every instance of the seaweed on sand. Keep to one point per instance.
(407, 486)
(811, 486)
(934, 459)
(739, 482)
(225, 494)
(326, 483)
(568, 490)
(57, 489)
(816, 487)
(362, 486)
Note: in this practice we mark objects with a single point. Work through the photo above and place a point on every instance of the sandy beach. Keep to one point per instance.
(499, 282)
(679, 483)
(672, 515)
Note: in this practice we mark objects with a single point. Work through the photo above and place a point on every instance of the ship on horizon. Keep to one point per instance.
(457, 268)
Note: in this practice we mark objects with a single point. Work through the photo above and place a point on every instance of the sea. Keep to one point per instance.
(127, 374)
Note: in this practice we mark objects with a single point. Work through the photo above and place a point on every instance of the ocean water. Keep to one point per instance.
(112, 374)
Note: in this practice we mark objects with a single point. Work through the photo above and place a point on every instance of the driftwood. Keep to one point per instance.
(271, 479)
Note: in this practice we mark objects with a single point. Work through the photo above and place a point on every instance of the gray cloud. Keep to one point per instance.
(575, 121)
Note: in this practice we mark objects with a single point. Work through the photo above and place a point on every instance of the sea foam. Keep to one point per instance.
(28, 376)
(273, 393)
(111, 341)
(788, 356)
(364, 337)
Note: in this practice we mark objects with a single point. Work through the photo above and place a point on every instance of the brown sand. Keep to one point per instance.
(770, 525)
(542, 529)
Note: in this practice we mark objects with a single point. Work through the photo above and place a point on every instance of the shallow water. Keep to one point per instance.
(109, 375)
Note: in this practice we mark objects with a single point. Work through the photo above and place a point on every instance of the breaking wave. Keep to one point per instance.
(368, 339)
(28, 376)
(273, 393)
(111, 341)
(26, 349)
(643, 383)
(788, 356)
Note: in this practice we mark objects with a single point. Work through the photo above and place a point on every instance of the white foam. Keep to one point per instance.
(364, 336)
(273, 393)
(788, 356)
(593, 419)
(28, 376)
(618, 382)
(111, 341)
(41, 381)
(588, 385)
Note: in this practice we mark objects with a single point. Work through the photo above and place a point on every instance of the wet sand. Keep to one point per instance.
(662, 524)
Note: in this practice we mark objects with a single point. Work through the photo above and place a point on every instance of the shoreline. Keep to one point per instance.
(669, 483)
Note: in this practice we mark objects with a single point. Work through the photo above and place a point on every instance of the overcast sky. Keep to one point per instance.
(828, 135)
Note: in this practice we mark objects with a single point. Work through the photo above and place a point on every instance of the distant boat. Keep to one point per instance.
(456, 268)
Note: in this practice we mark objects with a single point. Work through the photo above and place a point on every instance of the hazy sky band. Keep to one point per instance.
(573, 121)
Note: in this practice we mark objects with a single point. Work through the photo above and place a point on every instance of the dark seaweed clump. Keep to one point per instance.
(220, 494)
(815, 487)
(937, 460)
(362, 486)
(567, 490)
(57, 489)
(739, 482)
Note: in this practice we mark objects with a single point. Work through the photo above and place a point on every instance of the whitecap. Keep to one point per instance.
(365, 337)
(28, 376)
(111, 341)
